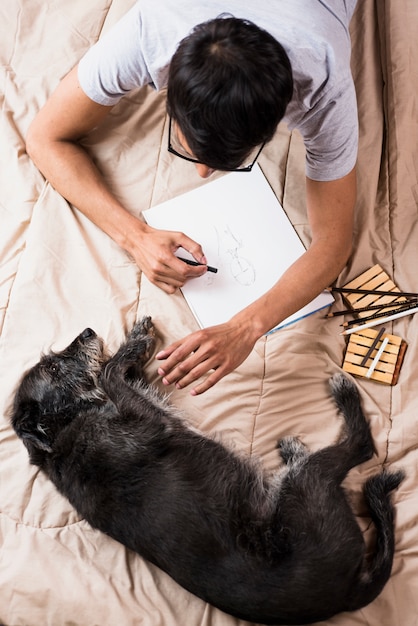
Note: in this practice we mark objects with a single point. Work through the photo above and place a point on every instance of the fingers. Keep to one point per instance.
(166, 287)
(215, 351)
(173, 271)
(169, 282)
(193, 247)
(209, 382)
(155, 255)
(185, 374)
(180, 364)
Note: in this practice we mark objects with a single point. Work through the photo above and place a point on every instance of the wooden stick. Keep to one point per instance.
(377, 357)
(372, 347)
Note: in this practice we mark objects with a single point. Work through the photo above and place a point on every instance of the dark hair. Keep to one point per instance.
(228, 88)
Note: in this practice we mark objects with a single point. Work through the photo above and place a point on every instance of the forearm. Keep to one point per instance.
(331, 213)
(299, 285)
(53, 144)
(70, 170)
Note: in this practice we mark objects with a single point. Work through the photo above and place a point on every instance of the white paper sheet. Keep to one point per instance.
(244, 233)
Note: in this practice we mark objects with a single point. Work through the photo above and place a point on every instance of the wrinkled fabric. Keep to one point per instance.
(60, 274)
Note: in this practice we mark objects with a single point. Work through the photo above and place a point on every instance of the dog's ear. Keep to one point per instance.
(25, 420)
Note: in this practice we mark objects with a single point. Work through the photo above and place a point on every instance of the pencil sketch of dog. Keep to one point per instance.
(273, 549)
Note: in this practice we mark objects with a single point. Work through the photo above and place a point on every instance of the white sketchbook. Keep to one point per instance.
(244, 233)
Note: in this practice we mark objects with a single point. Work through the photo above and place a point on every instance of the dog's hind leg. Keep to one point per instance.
(292, 450)
(377, 492)
(356, 445)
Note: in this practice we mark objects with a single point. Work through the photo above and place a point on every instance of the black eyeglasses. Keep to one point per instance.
(175, 147)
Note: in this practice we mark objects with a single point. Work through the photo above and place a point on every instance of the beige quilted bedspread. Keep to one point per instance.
(60, 274)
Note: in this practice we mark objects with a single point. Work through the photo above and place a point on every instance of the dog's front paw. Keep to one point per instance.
(141, 339)
(142, 329)
(135, 350)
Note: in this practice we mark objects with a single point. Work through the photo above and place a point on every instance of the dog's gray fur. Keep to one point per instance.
(281, 549)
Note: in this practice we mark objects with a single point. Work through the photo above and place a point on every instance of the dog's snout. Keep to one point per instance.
(87, 334)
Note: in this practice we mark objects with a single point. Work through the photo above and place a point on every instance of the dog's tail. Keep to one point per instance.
(377, 571)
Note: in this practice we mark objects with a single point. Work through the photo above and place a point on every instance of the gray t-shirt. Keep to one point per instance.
(138, 49)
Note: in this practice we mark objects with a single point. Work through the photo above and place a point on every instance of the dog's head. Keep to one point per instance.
(52, 392)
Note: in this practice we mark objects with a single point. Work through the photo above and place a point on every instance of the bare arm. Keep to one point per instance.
(52, 143)
(222, 348)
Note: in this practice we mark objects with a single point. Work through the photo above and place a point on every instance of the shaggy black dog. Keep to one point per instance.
(279, 549)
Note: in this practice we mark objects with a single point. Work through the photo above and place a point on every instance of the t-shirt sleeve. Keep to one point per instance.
(115, 64)
(330, 134)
